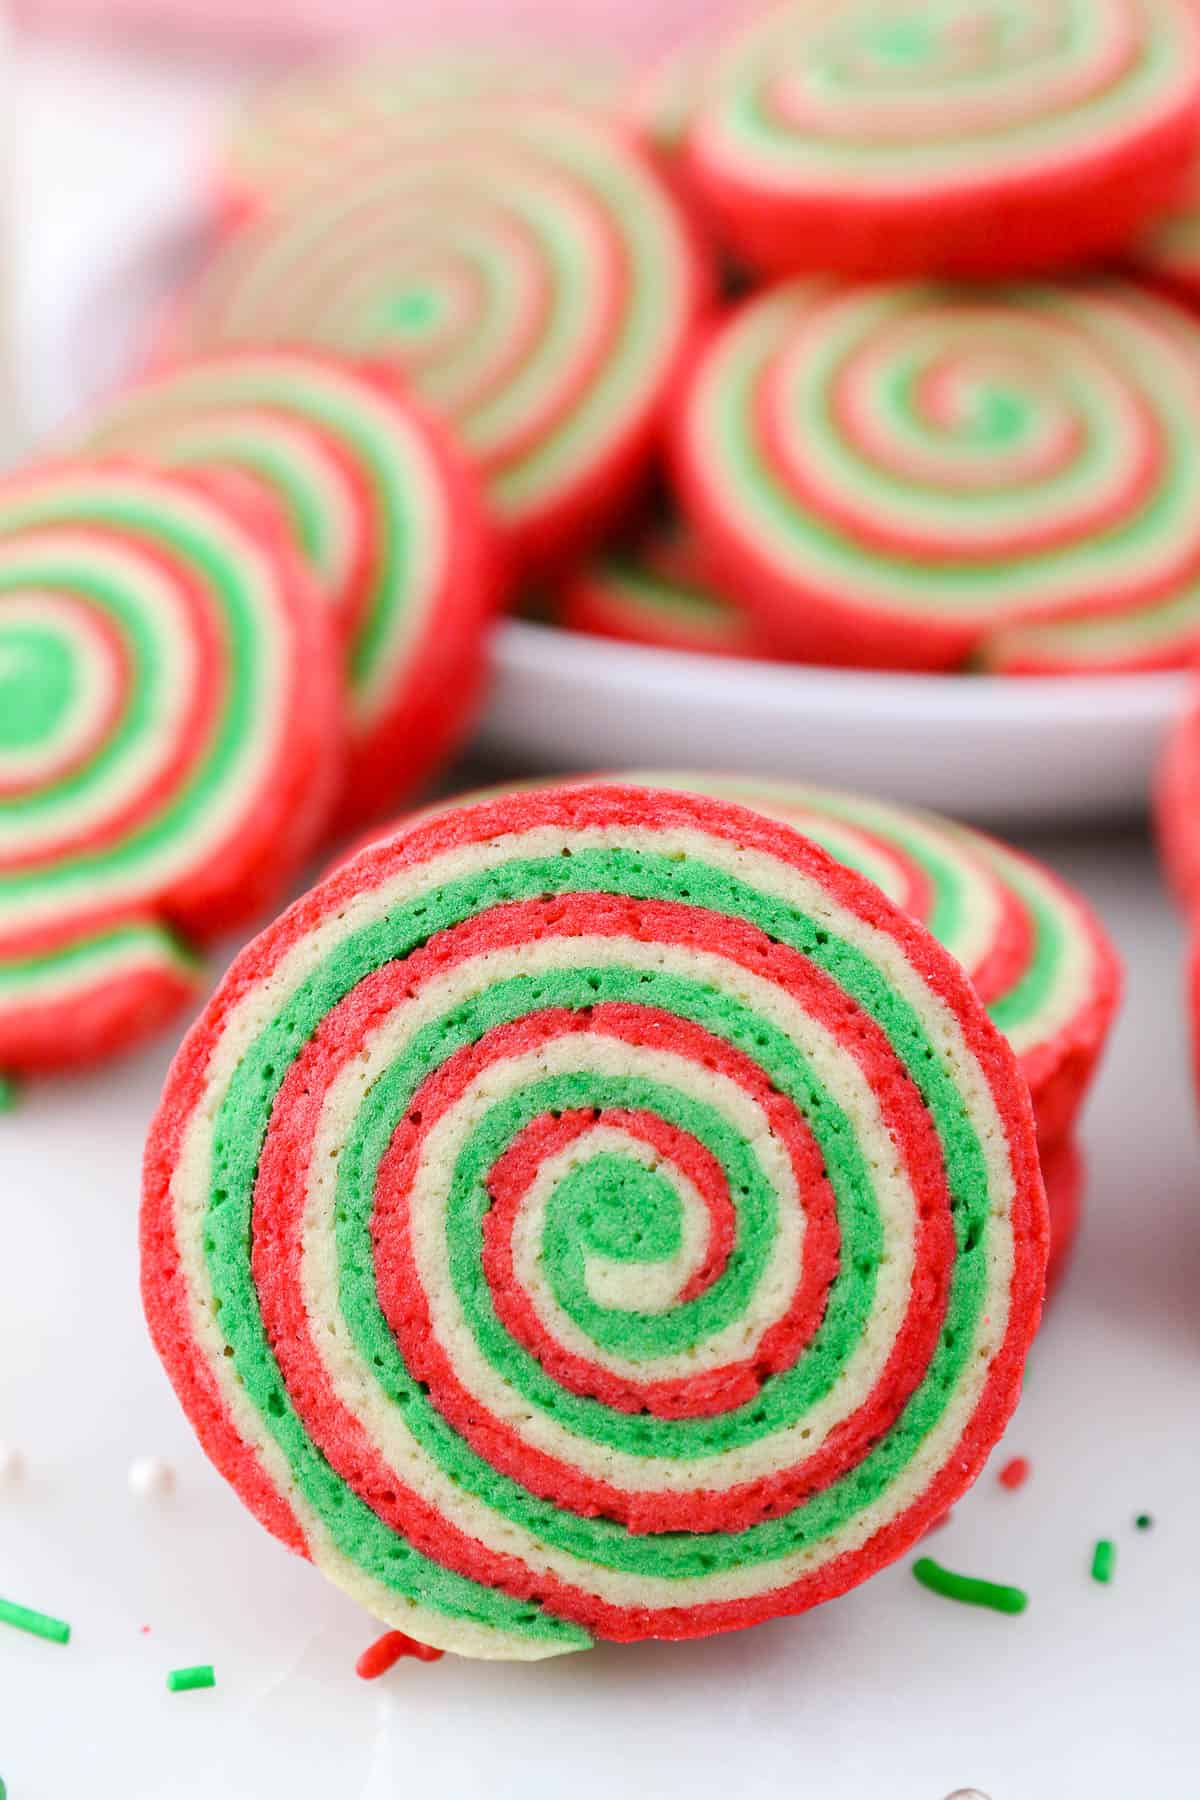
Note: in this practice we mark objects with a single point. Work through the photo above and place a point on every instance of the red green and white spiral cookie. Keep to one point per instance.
(292, 131)
(948, 137)
(170, 736)
(383, 511)
(659, 594)
(522, 266)
(892, 475)
(595, 1213)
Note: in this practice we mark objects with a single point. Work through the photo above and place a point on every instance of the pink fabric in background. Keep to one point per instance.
(624, 29)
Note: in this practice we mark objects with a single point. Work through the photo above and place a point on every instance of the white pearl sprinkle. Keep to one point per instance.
(150, 1477)
(12, 1465)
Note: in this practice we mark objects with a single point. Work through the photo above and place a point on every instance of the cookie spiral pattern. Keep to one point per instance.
(522, 266)
(884, 138)
(594, 1213)
(892, 475)
(169, 731)
(382, 511)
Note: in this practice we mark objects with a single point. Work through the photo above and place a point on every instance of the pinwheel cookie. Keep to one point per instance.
(170, 743)
(658, 593)
(595, 1213)
(526, 270)
(974, 138)
(909, 475)
(384, 512)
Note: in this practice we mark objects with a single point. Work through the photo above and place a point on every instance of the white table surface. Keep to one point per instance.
(889, 1694)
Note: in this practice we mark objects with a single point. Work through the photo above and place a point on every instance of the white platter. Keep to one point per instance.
(1033, 751)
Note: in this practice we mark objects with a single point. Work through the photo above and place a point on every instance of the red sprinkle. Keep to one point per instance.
(386, 1651)
(1015, 1474)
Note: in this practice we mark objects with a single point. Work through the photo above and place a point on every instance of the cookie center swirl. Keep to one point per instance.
(622, 1236)
(38, 681)
(981, 442)
(63, 685)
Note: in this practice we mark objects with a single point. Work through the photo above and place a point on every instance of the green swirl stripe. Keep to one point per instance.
(78, 963)
(242, 1121)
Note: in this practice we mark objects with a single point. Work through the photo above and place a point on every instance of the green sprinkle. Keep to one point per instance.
(1144, 1521)
(1104, 1557)
(40, 1624)
(8, 1100)
(181, 1681)
(967, 1589)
